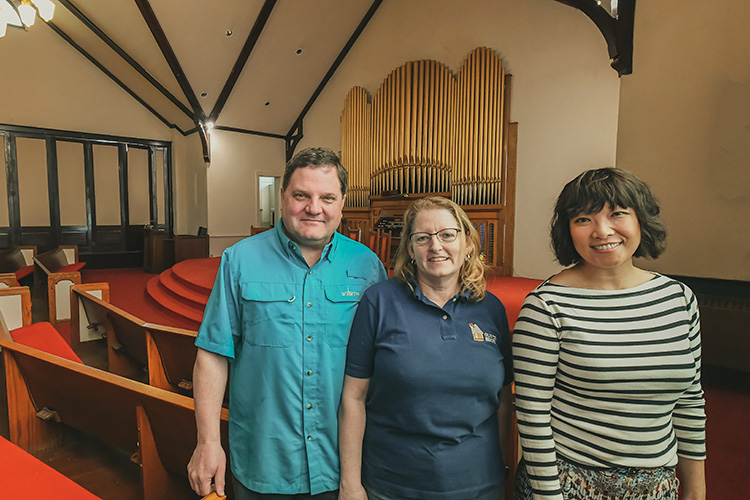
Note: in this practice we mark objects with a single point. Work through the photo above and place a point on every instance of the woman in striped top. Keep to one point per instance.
(607, 357)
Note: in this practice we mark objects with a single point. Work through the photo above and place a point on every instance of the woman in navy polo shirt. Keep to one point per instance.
(428, 371)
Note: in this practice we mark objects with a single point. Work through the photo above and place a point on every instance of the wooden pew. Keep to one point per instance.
(47, 395)
(166, 353)
(8, 280)
(15, 306)
(18, 261)
(55, 271)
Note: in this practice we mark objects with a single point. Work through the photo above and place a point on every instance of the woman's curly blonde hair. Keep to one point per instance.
(471, 277)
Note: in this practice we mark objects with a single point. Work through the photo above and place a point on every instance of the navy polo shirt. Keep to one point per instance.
(436, 376)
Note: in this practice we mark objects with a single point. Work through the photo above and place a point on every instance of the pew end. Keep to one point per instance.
(55, 272)
(15, 306)
(86, 325)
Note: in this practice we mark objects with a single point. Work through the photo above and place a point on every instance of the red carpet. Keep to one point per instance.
(511, 291)
(127, 290)
(26, 477)
(727, 443)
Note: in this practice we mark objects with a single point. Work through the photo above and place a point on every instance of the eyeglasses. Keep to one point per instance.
(446, 235)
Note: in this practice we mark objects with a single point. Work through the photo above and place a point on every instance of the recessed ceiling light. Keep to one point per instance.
(204, 94)
(268, 103)
(229, 32)
(299, 51)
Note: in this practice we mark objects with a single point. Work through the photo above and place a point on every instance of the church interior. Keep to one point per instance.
(142, 138)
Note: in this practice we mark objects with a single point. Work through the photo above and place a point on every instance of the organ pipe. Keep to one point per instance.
(426, 130)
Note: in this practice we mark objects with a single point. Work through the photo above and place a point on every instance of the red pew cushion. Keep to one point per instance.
(24, 271)
(24, 476)
(44, 337)
(71, 268)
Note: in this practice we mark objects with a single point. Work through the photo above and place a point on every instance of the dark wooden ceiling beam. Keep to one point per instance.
(252, 38)
(166, 49)
(68, 4)
(295, 133)
(617, 32)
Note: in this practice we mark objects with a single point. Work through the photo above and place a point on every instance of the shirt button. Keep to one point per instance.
(309, 338)
(445, 316)
(454, 299)
(309, 406)
(309, 372)
(309, 438)
(309, 304)
(310, 271)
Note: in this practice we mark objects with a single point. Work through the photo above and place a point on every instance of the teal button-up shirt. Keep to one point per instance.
(284, 327)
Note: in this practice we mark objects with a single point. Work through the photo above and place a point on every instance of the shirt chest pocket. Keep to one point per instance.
(269, 312)
(341, 304)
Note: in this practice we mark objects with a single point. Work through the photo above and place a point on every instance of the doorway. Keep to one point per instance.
(268, 194)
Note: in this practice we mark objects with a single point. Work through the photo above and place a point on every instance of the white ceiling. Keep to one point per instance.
(300, 41)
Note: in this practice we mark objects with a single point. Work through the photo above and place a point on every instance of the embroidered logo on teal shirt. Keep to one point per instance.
(349, 293)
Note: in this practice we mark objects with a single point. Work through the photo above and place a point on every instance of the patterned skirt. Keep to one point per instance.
(621, 483)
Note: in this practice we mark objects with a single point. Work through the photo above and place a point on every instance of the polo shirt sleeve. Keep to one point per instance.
(221, 317)
(360, 353)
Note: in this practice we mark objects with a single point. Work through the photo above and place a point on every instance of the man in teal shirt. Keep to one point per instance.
(280, 312)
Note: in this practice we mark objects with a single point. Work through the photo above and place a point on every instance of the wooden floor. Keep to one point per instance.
(104, 471)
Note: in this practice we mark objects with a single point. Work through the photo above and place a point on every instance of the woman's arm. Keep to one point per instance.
(536, 350)
(352, 417)
(693, 476)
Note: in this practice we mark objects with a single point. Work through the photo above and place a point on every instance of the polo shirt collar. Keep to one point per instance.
(463, 295)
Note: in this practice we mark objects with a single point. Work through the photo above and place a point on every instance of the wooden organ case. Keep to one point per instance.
(425, 132)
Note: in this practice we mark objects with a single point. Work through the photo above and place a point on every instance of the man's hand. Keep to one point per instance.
(209, 462)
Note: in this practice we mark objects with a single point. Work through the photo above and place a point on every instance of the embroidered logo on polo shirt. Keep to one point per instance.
(349, 293)
(480, 336)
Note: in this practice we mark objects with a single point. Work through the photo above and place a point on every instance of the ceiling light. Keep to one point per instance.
(27, 13)
(45, 8)
(22, 13)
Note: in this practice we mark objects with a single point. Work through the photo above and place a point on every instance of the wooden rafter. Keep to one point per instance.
(247, 49)
(617, 32)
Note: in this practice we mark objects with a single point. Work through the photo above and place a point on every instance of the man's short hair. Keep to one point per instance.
(593, 190)
(315, 158)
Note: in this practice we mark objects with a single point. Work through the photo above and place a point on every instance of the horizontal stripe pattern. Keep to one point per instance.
(608, 378)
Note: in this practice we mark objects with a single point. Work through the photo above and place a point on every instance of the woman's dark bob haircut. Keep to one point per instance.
(592, 191)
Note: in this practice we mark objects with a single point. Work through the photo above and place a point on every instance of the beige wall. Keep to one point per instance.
(685, 129)
(236, 161)
(47, 83)
(564, 94)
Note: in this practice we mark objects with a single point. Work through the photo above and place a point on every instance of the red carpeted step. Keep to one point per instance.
(178, 287)
(163, 297)
(198, 274)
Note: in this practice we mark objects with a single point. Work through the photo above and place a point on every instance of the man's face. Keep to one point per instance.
(311, 206)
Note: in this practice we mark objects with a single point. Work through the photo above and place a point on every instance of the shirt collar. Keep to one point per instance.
(292, 247)
(462, 295)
